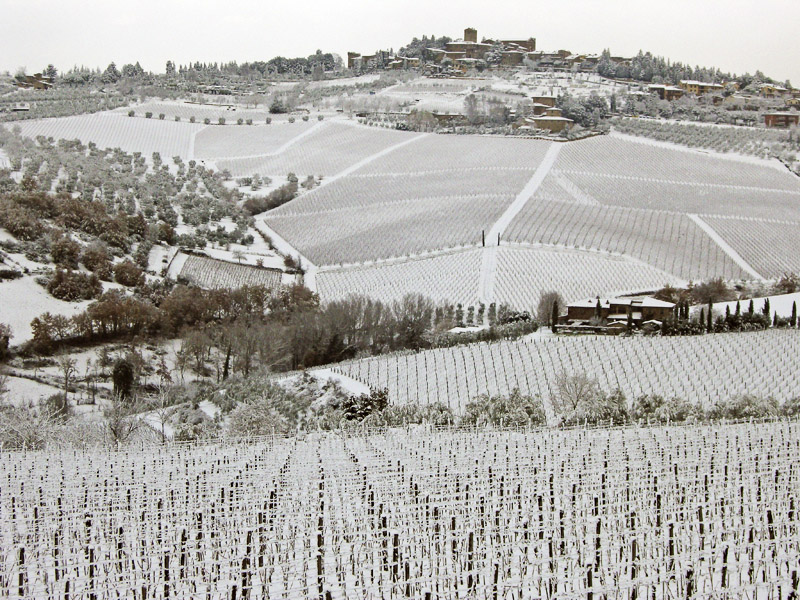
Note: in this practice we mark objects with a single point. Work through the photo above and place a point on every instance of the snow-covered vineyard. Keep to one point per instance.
(625, 513)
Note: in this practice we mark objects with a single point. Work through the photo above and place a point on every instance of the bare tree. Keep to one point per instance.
(122, 421)
(161, 407)
(66, 365)
(573, 393)
(544, 310)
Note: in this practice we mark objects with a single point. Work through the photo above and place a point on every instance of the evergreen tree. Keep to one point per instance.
(709, 323)
(492, 316)
(739, 309)
(766, 309)
(750, 309)
(793, 320)
(554, 317)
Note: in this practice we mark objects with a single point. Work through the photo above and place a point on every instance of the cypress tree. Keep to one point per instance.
(554, 317)
(727, 314)
(775, 320)
(793, 321)
(598, 310)
(750, 309)
(739, 308)
(702, 316)
(709, 323)
(767, 310)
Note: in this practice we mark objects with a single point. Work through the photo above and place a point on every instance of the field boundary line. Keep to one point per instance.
(691, 184)
(369, 159)
(726, 248)
(525, 194)
(707, 152)
(396, 260)
(607, 254)
(489, 263)
(280, 150)
(192, 142)
(284, 247)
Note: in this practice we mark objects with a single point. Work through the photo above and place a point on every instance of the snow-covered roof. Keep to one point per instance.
(643, 302)
(550, 118)
(703, 83)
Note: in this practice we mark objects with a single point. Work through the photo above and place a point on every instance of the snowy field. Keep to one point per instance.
(701, 369)
(112, 130)
(21, 300)
(417, 513)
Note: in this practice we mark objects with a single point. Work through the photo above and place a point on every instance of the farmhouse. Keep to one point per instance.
(699, 87)
(35, 82)
(617, 309)
(666, 92)
(782, 119)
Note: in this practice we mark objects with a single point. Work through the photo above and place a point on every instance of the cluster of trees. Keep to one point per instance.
(481, 109)
(112, 197)
(657, 69)
(420, 47)
(587, 112)
(259, 406)
(258, 204)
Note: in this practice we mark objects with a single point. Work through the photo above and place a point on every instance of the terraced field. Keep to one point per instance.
(332, 149)
(248, 140)
(772, 248)
(185, 111)
(406, 228)
(452, 277)
(703, 368)
(524, 273)
(211, 273)
(668, 241)
(457, 152)
(112, 130)
(360, 190)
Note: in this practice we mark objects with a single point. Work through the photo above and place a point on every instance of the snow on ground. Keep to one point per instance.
(743, 158)
(153, 420)
(347, 383)
(22, 391)
(209, 408)
(349, 81)
(782, 305)
(250, 256)
(21, 300)
(159, 257)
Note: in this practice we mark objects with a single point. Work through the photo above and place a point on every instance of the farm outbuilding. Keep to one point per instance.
(616, 309)
(782, 119)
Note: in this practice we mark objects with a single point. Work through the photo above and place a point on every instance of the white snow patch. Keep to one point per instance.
(209, 408)
(780, 305)
(347, 383)
(21, 300)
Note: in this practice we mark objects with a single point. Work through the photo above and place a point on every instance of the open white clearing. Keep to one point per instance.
(21, 300)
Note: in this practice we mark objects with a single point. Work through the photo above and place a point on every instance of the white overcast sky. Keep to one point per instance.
(734, 35)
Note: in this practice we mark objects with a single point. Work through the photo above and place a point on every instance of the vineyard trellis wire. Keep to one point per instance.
(667, 512)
